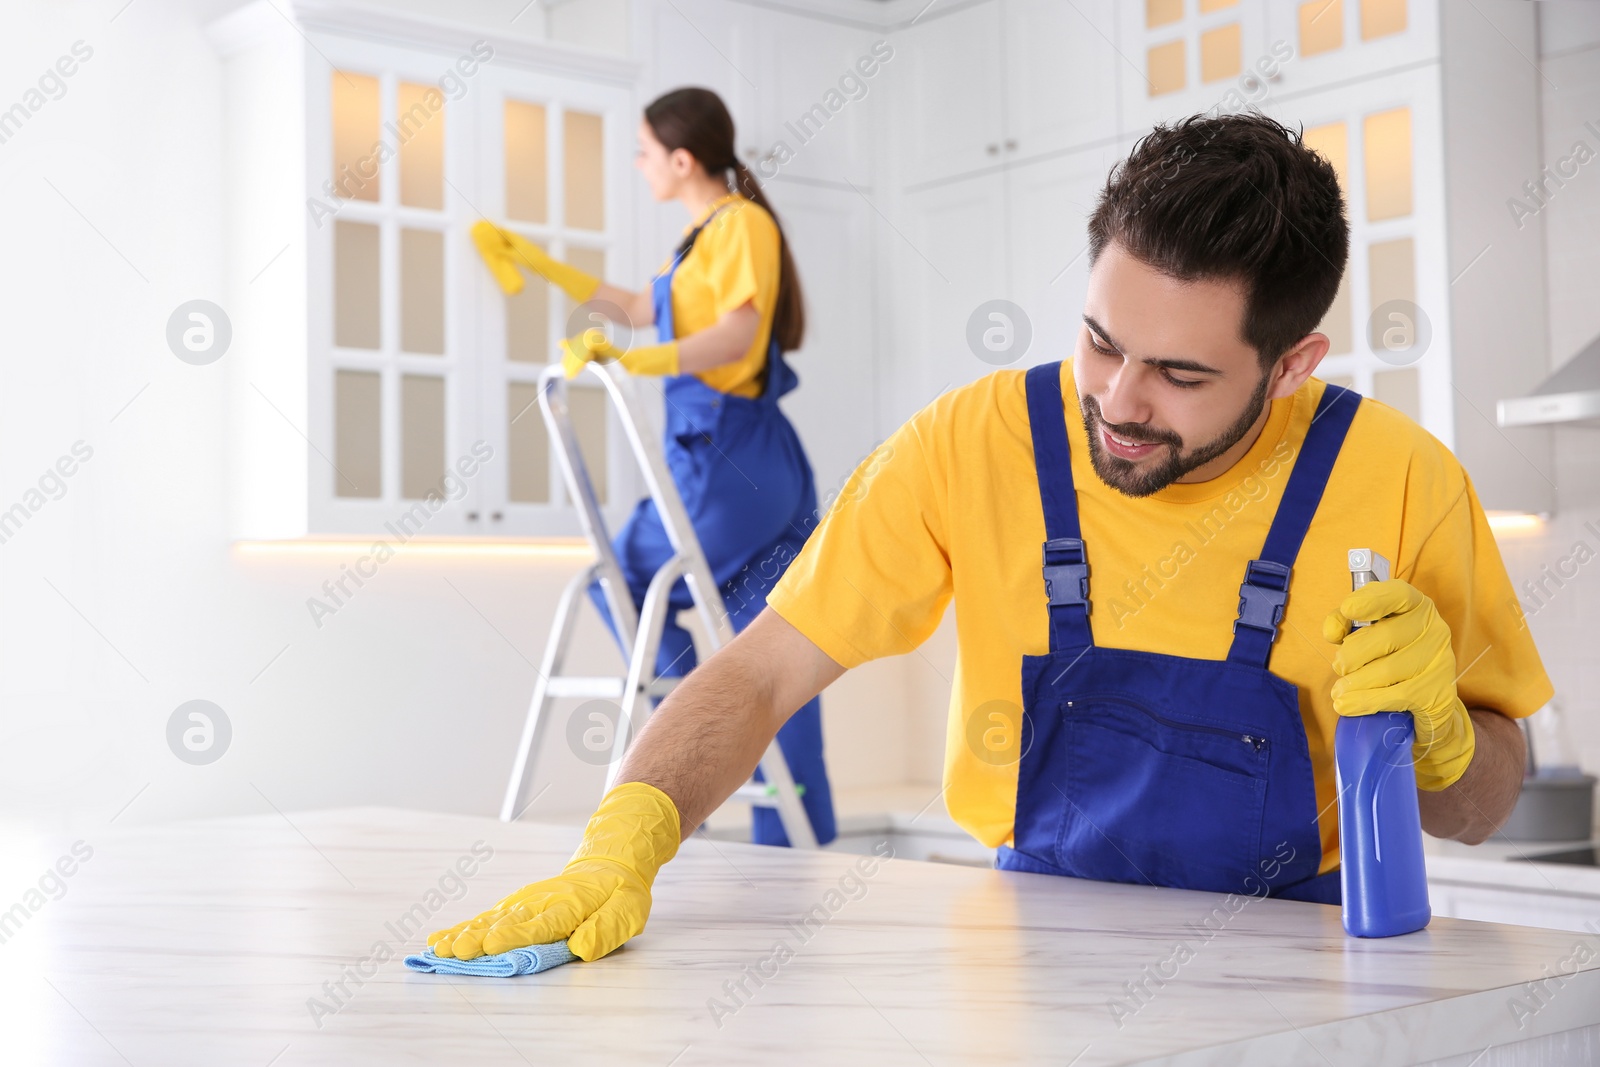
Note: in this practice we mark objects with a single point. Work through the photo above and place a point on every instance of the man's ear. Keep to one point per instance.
(1298, 364)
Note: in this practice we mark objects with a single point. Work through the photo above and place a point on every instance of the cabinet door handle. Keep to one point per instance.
(993, 150)
(472, 516)
(496, 516)
(1011, 146)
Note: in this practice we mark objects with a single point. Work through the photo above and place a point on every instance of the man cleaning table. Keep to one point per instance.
(1146, 545)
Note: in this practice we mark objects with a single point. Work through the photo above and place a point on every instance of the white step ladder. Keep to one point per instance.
(641, 630)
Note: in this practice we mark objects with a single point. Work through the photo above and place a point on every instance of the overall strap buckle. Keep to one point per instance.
(1066, 573)
(1262, 595)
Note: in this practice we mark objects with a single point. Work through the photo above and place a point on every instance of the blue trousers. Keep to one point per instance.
(751, 499)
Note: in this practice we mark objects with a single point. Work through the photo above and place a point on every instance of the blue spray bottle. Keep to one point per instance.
(1381, 867)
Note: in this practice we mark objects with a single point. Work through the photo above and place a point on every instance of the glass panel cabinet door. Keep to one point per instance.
(422, 373)
(553, 169)
(387, 348)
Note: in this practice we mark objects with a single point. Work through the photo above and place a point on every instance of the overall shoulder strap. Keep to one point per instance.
(661, 284)
(1266, 579)
(1066, 569)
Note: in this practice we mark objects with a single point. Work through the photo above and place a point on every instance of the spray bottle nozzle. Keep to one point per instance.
(1366, 566)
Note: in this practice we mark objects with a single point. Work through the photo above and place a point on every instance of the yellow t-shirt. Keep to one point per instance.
(949, 507)
(734, 260)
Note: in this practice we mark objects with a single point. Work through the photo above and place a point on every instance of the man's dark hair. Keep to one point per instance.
(1233, 198)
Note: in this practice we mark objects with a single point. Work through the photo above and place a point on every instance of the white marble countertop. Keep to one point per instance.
(226, 941)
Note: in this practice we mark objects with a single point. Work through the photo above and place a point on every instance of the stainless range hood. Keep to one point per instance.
(1570, 396)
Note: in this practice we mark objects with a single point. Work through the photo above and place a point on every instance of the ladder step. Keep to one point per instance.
(571, 685)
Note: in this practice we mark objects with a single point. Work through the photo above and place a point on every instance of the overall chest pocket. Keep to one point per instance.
(1150, 796)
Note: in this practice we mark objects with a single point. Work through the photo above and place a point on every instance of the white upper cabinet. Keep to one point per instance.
(1049, 203)
(1329, 36)
(948, 259)
(1060, 62)
(1182, 57)
(948, 112)
(819, 88)
(382, 381)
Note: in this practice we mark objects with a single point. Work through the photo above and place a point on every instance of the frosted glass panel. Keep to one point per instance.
(1165, 63)
(1400, 389)
(528, 470)
(589, 260)
(585, 171)
(355, 135)
(355, 284)
(1379, 18)
(1336, 324)
(1161, 12)
(1332, 142)
(421, 435)
(422, 291)
(1220, 53)
(357, 433)
(528, 321)
(527, 170)
(1387, 144)
(589, 422)
(1391, 273)
(1321, 26)
(421, 124)
(1208, 6)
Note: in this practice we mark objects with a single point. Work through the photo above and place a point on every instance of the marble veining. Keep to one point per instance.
(252, 941)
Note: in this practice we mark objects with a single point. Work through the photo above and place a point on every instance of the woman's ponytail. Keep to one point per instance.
(789, 317)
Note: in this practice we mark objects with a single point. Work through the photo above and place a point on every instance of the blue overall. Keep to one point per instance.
(748, 490)
(1148, 768)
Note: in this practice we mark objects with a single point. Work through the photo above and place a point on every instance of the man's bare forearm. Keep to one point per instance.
(706, 738)
(1482, 798)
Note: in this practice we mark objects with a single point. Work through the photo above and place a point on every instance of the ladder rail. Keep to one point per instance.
(580, 488)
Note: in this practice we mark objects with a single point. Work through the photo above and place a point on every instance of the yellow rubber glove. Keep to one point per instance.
(503, 250)
(593, 344)
(497, 256)
(599, 900)
(577, 284)
(1402, 661)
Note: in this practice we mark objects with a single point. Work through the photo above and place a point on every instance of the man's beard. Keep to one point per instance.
(1131, 478)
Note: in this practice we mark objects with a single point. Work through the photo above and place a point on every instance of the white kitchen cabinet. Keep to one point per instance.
(1018, 234)
(709, 43)
(946, 255)
(1000, 82)
(830, 236)
(948, 115)
(816, 99)
(1182, 57)
(377, 371)
(1059, 62)
(1049, 203)
(1385, 136)
(1332, 37)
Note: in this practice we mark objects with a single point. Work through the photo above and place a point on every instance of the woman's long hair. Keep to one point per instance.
(697, 121)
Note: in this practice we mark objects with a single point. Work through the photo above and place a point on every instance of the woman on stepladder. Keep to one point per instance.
(726, 306)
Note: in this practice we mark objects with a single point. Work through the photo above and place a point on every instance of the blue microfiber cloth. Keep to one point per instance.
(530, 960)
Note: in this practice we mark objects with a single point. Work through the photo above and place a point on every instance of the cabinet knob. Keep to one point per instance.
(472, 516)
(993, 150)
(496, 516)
(1011, 146)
